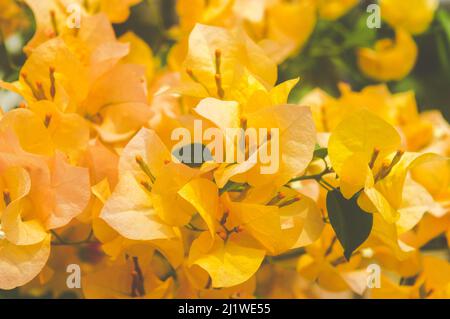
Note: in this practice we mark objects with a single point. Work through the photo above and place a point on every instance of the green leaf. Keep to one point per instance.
(351, 224)
(232, 186)
(320, 152)
(193, 155)
(361, 35)
(443, 39)
(444, 19)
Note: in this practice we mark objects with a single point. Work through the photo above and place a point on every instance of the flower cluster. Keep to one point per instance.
(92, 174)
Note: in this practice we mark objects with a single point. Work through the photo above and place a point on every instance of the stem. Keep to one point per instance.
(327, 184)
(324, 186)
(172, 271)
(330, 248)
(63, 242)
(194, 228)
(316, 177)
(289, 255)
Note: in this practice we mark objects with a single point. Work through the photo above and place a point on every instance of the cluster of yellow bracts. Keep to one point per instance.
(87, 174)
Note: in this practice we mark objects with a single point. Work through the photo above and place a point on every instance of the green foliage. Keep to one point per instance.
(320, 152)
(351, 224)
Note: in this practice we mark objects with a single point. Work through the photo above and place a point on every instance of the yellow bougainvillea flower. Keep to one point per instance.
(20, 264)
(102, 163)
(334, 9)
(156, 185)
(194, 283)
(229, 263)
(418, 131)
(129, 211)
(60, 17)
(380, 175)
(401, 199)
(117, 11)
(264, 21)
(140, 53)
(40, 193)
(435, 277)
(60, 179)
(150, 162)
(117, 110)
(114, 244)
(281, 225)
(225, 64)
(434, 176)
(285, 28)
(324, 264)
(414, 16)
(42, 129)
(432, 282)
(38, 79)
(241, 227)
(441, 133)
(429, 227)
(201, 11)
(296, 145)
(408, 265)
(392, 290)
(129, 276)
(354, 141)
(203, 195)
(400, 110)
(24, 245)
(80, 73)
(389, 60)
(329, 111)
(190, 13)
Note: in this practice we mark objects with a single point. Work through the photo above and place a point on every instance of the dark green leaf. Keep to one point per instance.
(351, 224)
(193, 155)
(320, 152)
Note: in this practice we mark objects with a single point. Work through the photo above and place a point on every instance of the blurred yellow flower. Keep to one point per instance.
(59, 17)
(281, 28)
(415, 16)
(389, 60)
(334, 9)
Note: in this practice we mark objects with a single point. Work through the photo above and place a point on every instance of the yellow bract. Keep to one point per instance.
(414, 16)
(40, 192)
(228, 263)
(361, 133)
(389, 60)
(60, 17)
(218, 60)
